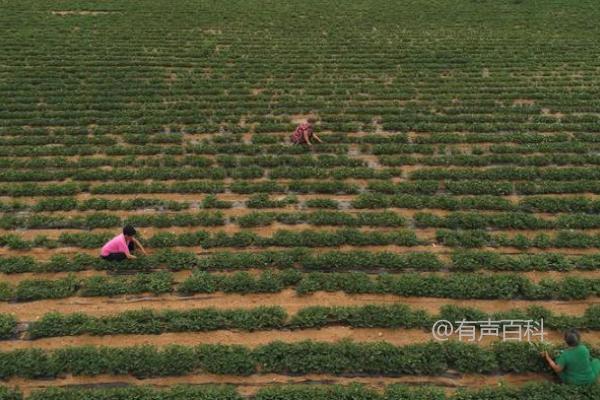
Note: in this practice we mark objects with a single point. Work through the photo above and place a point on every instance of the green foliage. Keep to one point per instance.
(456, 285)
(503, 121)
(8, 323)
(156, 283)
(322, 203)
(155, 322)
(37, 289)
(10, 394)
(271, 318)
(461, 260)
(177, 392)
(262, 200)
(358, 260)
(211, 201)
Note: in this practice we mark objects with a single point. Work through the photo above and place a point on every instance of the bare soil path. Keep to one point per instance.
(248, 385)
(288, 299)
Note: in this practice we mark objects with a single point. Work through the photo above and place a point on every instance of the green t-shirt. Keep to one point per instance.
(578, 366)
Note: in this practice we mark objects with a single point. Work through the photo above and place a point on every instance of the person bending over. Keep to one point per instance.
(304, 133)
(121, 246)
(574, 365)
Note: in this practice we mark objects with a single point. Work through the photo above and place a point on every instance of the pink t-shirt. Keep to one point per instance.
(118, 244)
(298, 135)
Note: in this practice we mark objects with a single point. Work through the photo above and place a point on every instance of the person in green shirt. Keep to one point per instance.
(574, 365)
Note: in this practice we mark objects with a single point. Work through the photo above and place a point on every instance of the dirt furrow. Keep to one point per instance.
(248, 385)
(288, 299)
(45, 254)
(180, 276)
(398, 337)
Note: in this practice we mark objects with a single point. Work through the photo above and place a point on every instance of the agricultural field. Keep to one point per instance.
(459, 179)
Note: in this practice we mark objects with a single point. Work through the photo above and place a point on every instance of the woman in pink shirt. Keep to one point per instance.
(121, 246)
(304, 133)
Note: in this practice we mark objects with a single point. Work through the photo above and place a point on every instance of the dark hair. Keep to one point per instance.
(572, 337)
(129, 230)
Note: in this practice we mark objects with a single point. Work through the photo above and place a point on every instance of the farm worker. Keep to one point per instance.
(121, 246)
(304, 133)
(575, 365)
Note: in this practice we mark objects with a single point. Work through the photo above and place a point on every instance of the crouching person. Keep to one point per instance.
(304, 133)
(574, 365)
(122, 246)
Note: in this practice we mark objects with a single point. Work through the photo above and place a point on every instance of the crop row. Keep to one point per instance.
(564, 154)
(531, 391)
(317, 238)
(37, 289)
(188, 173)
(341, 358)
(454, 220)
(459, 187)
(481, 238)
(219, 104)
(136, 187)
(420, 123)
(322, 218)
(491, 138)
(98, 203)
(543, 204)
(469, 260)
(105, 220)
(471, 160)
(363, 261)
(390, 151)
(390, 159)
(505, 220)
(226, 161)
(153, 149)
(240, 187)
(282, 238)
(203, 218)
(150, 322)
(457, 286)
(470, 186)
(253, 172)
(550, 125)
(508, 173)
(529, 140)
(67, 140)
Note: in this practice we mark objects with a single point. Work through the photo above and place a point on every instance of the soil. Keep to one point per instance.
(180, 276)
(288, 299)
(248, 385)
(45, 254)
(548, 113)
(398, 337)
(301, 118)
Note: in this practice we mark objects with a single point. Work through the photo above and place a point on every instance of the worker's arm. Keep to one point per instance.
(318, 138)
(306, 138)
(555, 367)
(138, 244)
